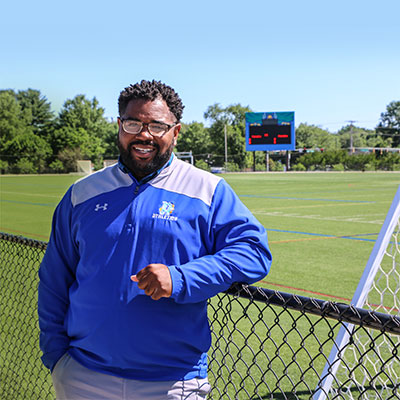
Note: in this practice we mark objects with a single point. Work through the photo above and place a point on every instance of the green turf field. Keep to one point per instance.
(321, 226)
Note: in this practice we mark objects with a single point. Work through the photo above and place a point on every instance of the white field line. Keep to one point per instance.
(355, 218)
(31, 194)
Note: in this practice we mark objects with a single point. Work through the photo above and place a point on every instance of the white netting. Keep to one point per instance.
(84, 166)
(368, 360)
(107, 163)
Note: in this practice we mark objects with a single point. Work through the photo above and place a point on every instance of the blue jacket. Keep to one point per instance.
(108, 227)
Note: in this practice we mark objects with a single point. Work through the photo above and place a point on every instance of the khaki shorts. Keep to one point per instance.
(73, 381)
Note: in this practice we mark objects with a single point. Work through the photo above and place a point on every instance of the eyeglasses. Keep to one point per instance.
(134, 127)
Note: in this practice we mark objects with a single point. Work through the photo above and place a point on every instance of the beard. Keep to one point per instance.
(140, 170)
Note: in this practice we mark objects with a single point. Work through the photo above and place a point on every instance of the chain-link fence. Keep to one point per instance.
(266, 344)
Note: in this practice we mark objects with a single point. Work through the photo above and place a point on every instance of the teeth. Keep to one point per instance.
(143, 150)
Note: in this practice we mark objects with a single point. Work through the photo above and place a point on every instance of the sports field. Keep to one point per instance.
(321, 226)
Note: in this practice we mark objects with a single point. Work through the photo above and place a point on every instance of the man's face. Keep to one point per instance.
(143, 153)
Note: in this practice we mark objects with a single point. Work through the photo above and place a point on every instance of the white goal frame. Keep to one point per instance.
(360, 296)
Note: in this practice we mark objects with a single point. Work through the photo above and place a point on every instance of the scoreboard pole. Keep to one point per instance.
(267, 161)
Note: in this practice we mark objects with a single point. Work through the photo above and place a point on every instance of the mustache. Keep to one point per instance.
(144, 143)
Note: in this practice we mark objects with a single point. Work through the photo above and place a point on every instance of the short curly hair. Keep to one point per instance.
(150, 91)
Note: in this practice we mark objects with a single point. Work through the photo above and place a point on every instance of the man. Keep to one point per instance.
(136, 250)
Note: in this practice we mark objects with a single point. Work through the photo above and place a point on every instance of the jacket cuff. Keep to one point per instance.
(177, 281)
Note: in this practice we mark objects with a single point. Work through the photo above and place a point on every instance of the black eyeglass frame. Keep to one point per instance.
(144, 124)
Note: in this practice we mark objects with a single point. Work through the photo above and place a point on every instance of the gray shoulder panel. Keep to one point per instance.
(103, 181)
(183, 178)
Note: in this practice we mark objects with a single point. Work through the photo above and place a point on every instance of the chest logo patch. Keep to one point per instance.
(165, 211)
(101, 207)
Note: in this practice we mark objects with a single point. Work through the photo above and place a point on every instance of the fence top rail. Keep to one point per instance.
(338, 311)
(37, 244)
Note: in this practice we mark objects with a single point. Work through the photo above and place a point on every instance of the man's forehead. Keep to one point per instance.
(158, 107)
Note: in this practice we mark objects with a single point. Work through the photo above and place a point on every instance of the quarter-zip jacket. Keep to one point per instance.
(108, 227)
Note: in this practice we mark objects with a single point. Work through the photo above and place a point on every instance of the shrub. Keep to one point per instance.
(369, 167)
(3, 166)
(69, 157)
(25, 166)
(202, 165)
(299, 167)
(56, 166)
(260, 167)
(338, 167)
(275, 166)
(232, 167)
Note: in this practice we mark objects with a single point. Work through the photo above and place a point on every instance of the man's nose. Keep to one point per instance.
(145, 132)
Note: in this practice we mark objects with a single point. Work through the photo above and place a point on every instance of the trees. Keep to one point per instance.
(231, 118)
(28, 151)
(311, 137)
(389, 125)
(351, 136)
(38, 111)
(194, 137)
(81, 125)
(33, 139)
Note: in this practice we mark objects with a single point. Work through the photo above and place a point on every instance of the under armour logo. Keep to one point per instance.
(101, 207)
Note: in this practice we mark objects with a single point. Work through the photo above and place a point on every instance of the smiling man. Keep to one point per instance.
(136, 250)
(147, 134)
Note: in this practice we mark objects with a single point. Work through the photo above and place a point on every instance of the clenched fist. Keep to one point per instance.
(155, 280)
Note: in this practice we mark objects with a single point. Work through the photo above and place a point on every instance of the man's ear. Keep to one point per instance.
(177, 128)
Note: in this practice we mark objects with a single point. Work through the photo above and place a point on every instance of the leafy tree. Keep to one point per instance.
(13, 125)
(389, 125)
(315, 159)
(68, 158)
(81, 125)
(38, 111)
(13, 121)
(194, 137)
(389, 161)
(25, 166)
(109, 140)
(28, 146)
(202, 165)
(311, 137)
(359, 162)
(231, 118)
(334, 157)
(353, 136)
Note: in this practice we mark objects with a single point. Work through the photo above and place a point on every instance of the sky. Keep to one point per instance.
(330, 62)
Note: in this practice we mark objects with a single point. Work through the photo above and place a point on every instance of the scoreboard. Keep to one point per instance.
(270, 131)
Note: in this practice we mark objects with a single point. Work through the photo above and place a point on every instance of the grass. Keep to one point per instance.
(321, 229)
(321, 226)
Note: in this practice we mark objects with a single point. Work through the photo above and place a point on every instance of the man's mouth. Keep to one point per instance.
(142, 149)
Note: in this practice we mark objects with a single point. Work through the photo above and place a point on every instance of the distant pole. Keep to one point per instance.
(267, 161)
(351, 135)
(226, 147)
(287, 160)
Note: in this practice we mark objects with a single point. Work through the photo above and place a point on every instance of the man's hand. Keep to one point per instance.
(155, 280)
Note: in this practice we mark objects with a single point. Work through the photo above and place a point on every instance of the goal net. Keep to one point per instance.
(84, 166)
(107, 163)
(378, 290)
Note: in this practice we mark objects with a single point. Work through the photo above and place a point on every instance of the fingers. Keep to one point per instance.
(155, 280)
